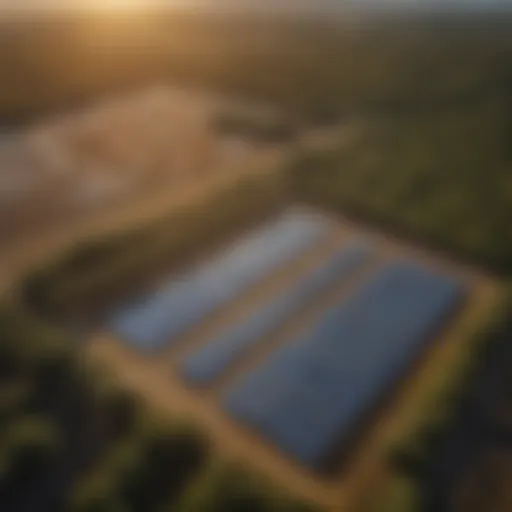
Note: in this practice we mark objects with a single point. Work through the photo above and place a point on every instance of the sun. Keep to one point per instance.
(121, 5)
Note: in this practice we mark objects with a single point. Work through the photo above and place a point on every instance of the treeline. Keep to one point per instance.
(440, 177)
(72, 440)
(98, 271)
(317, 69)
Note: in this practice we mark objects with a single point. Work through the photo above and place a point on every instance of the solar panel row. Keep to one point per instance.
(310, 394)
(163, 316)
(211, 361)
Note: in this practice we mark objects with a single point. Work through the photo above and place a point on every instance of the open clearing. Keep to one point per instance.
(156, 377)
(25, 254)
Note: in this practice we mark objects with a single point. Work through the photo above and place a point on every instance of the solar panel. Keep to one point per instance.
(185, 300)
(308, 396)
(215, 358)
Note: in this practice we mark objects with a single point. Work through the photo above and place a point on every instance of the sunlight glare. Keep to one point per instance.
(119, 5)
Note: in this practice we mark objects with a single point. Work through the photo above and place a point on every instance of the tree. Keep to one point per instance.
(30, 446)
(169, 458)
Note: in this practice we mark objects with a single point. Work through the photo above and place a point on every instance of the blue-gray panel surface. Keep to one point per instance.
(309, 395)
(161, 317)
(218, 355)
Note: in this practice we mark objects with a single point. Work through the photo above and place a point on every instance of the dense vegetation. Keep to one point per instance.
(317, 69)
(71, 440)
(443, 177)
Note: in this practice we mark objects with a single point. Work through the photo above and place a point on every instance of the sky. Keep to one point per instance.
(310, 5)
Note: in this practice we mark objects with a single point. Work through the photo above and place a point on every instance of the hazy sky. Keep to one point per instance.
(308, 4)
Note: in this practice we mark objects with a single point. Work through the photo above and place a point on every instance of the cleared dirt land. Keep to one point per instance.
(120, 163)
(156, 378)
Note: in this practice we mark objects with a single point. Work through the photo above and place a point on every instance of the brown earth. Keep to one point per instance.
(25, 253)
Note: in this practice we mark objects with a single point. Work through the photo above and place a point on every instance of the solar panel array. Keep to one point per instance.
(310, 394)
(163, 316)
(215, 358)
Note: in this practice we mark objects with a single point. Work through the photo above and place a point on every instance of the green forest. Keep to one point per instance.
(442, 177)
(318, 69)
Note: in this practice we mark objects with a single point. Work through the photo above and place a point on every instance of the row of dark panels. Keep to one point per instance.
(308, 395)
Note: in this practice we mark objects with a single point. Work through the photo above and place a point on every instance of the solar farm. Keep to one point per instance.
(301, 364)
